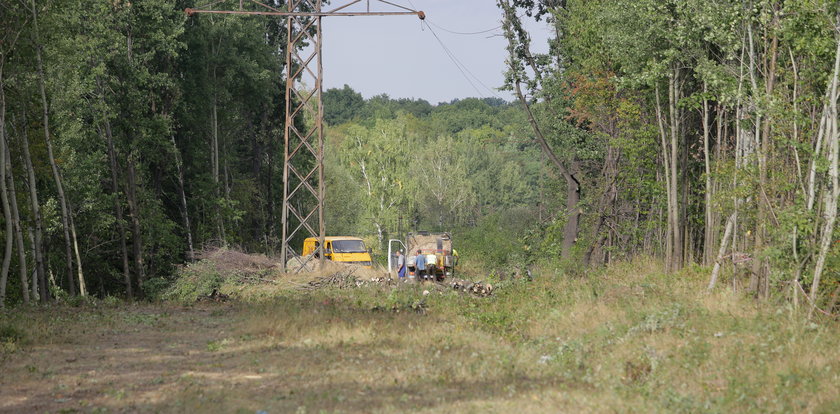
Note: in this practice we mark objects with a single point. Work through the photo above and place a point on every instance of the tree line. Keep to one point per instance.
(135, 136)
(404, 164)
(698, 131)
(131, 137)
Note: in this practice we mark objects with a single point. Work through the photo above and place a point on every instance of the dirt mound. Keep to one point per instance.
(227, 260)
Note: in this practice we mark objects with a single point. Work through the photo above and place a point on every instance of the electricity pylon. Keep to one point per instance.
(304, 189)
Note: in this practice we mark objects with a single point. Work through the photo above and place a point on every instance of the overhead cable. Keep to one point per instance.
(463, 33)
(461, 67)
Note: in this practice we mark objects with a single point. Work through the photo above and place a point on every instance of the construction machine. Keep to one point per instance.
(441, 258)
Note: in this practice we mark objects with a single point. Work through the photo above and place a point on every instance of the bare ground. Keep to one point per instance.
(210, 358)
(131, 360)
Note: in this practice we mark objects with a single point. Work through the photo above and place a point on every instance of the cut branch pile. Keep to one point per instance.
(215, 296)
(234, 261)
(480, 289)
(419, 307)
(345, 279)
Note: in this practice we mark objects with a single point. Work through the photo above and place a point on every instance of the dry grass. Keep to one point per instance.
(627, 339)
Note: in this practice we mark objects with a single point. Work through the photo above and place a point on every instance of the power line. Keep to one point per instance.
(462, 67)
(455, 61)
(462, 33)
(458, 64)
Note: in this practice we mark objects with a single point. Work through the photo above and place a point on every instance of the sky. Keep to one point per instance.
(398, 56)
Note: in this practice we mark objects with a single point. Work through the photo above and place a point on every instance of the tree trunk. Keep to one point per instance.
(35, 281)
(760, 264)
(270, 228)
(727, 233)
(674, 92)
(797, 274)
(606, 203)
(21, 247)
(573, 187)
(214, 151)
(570, 230)
(82, 286)
(708, 232)
(666, 160)
(185, 214)
(118, 207)
(65, 211)
(720, 134)
(832, 192)
(40, 282)
(134, 211)
(7, 214)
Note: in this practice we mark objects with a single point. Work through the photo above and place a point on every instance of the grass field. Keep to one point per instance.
(626, 339)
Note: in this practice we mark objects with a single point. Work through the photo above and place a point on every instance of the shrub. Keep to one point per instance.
(194, 280)
(10, 333)
(155, 288)
(11, 338)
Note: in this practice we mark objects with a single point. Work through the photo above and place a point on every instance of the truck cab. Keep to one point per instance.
(342, 249)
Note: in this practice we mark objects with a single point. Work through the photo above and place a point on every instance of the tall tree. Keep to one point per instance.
(520, 55)
(65, 210)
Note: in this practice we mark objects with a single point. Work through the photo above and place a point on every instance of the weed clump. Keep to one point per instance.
(11, 338)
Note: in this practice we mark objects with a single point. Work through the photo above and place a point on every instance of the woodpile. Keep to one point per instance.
(480, 289)
(214, 296)
(342, 280)
(345, 279)
(416, 307)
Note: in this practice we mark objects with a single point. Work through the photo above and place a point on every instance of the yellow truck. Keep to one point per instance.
(342, 249)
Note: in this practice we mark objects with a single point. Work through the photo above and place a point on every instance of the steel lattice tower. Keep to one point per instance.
(304, 189)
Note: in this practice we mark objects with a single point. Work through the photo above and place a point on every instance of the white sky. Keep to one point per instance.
(395, 55)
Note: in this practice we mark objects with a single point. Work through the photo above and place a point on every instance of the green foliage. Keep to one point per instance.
(186, 107)
(11, 339)
(146, 78)
(495, 242)
(155, 288)
(441, 169)
(193, 281)
(10, 333)
(342, 105)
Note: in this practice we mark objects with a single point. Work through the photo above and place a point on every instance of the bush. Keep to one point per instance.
(155, 288)
(111, 301)
(494, 243)
(11, 338)
(194, 280)
(10, 333)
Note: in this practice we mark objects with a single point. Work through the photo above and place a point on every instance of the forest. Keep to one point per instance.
(648, 224)
(699, 132)
(137, 141)
(135, 137)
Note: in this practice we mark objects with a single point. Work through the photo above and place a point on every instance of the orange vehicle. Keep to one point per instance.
(342, 249)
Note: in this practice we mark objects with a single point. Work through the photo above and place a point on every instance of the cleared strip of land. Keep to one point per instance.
(625, 340)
